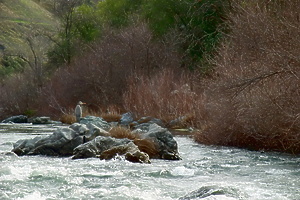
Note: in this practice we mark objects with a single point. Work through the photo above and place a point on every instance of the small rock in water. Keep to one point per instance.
(16, 119)
(39, 120)
(208, 191)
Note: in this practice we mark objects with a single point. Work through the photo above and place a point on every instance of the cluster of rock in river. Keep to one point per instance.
(91, 138)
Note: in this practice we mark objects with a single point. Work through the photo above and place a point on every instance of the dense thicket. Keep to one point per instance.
(228, 68)
(254, 99)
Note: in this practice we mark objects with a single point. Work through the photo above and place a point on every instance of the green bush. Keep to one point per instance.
(199, 24)
(86, 23)
(116, 13)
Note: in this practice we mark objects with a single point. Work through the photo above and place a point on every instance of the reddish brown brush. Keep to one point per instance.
(166, 96)
(254, 102)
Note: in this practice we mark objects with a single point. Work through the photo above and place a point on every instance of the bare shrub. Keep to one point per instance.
(254, 102)
(165, 95)
(18, 95)
(98, 77)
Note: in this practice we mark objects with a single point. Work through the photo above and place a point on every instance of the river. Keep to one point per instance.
(229, 172)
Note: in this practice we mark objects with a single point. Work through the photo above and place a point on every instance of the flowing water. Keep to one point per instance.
(216, 172)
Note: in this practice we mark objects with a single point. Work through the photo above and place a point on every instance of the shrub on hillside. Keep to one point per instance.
(99, 76)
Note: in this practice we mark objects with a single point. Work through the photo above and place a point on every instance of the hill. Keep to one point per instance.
(20, 20)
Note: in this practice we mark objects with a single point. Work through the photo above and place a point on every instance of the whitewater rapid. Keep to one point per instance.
(233, 173)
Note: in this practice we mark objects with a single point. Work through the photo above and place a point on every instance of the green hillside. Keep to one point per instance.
(22, 19)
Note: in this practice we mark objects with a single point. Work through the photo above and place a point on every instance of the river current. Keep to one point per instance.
(214, 172)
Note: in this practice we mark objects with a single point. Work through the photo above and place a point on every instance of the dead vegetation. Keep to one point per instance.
(254, 100)
(122, 132)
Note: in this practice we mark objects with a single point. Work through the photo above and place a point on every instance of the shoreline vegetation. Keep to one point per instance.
(229, 69)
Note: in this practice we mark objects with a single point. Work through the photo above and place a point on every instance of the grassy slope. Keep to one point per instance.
(19, 19)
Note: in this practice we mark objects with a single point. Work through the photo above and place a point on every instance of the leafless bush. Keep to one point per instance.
(18, 95)
(255, 100)
(166, 95)
(99, 76)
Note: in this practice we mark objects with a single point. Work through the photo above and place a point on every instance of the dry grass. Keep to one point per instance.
(144, 145)
(68, 118)
(111, 117)
(112, 114)
(122, 132)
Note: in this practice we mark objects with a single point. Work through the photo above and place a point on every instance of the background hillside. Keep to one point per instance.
(20, 21)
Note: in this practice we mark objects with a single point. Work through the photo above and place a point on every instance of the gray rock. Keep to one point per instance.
(89, 131)
(22, 147)
(129, 150)
(141, 128)
(126, 119)
(40, 120)
(213, 191)
(97, 121)
(82, 129)
(157, 121)
(90, 139)
(16, 119)
(168, 148)
(60, 143)
(151, 120)
(97, 146)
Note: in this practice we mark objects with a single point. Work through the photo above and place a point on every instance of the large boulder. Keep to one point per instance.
(16, 119)
(164, 140)
(97, 121)
(107, 148)
(95, 147)
(90, 131)
(90, 138)
(60, 143)
(130, 151)
(82, 129)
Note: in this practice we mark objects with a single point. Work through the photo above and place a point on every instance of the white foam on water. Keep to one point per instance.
(33, 196)
(182, 171)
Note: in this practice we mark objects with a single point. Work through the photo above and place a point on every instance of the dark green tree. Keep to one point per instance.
(199, 24)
